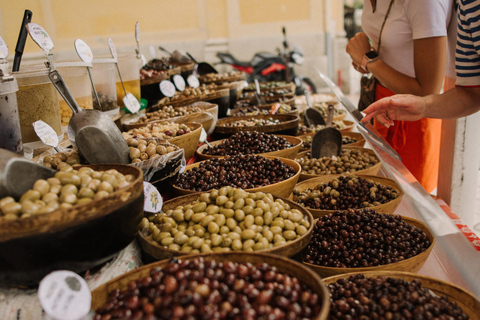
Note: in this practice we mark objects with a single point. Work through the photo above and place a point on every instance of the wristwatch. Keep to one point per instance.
(370, 56)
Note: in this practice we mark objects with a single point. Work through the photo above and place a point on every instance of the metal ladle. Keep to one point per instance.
(327, 142)
(313, 117)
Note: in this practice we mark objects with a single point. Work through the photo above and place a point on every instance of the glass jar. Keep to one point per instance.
(10, 133)
(129, 65)
(104, 75)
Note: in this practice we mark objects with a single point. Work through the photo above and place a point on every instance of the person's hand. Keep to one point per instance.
(398, 107)
(359, 68)
(357, 47)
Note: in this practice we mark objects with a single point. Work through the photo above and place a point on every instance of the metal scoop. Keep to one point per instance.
(258, 94)
(313, 117)
(327, 142)
(201, 68)
(18, 174)
(94, 133)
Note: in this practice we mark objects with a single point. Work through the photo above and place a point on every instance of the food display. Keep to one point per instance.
(155, 68)
(363, 238)
(142, 150)
(307, 141)
(222, 77)
(337, 124)
(251, 102)
(350, 160)
(167, 112)
(243, 171)
(227, 219)
(207, 289)
(250, 142)
(267, 85)
(157, 130)
(392, 297)
(267, 92)
(253, 122)
(69, 187)
(345, 192)
(106, 103)
(338, 112)
(279, 108)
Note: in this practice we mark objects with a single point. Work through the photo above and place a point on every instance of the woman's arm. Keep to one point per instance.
(429, 62)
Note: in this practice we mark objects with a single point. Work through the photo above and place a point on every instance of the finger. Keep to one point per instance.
(384, 120)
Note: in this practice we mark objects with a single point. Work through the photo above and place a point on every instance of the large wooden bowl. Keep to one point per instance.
(280, 189)
(373, 170)
(355, 135)
(285, 99)
(284, 265)
(289, 153)
(76, 239)
(288, 125)
(288, 86)
(412, 264)
(263, 108)
(238, 76)
(464, 299)
(208, 117)
(388, 207)
(349, 125)
(188, 142)
(159, 252)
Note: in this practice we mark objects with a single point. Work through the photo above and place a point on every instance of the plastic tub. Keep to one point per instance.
(103, 74)
(129, 65)
(10, 133)
(36, 100)
(76, 77)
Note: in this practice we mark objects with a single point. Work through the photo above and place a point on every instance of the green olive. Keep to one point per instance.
(41, 186)
(31, 195)
(85, 193)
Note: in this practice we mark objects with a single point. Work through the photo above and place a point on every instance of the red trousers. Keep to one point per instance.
(417, 143)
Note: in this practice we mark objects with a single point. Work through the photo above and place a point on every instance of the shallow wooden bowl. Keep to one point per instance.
(263, 107)
(289, 153)
(238, 76)
(188, 142)
(373, 170)
(288, 124)
(76, 239)
(129, 120)
(284, 265)
(159, 252)
(388, 207)
(464, 299)
(288, 86)
(356, 135)
(412, 264)
(279, 189)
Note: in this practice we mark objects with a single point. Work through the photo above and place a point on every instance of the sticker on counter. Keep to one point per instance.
(193, 81)
(153, 201)
(3, 49)
(131, 103)
(167, 88)
(183, 165)
(112, 48)
(83, 51)
(45, 133)
(179, 82)
(40, 36)
(64, 295)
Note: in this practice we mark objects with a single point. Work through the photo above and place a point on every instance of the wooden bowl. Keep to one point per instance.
(288, 86)
(388, 207)
(238, 76)
(129, 121)
(373, 170)
(355, 135)
(464, 299)
(289, 153)
(348, 127)
(412, 264)
(159, 252)
(263, 108)
(284, 265)
(188, 142)
(285, 99)
(280, 189)
(76, 239)
(288, 125)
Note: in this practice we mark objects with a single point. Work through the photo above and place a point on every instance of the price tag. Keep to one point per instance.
(193, 81)
(64, 295)
(111, 46)
(203, 135)
(40, 36)
(3, 49)
(179, 82)
(131, 103)
(137, 31)
(153, 201)
(183, 165)
(153, 52)
(83, 51)
(167, 88)
(46, 133)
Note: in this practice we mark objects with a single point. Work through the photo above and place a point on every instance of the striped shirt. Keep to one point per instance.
(467, 54)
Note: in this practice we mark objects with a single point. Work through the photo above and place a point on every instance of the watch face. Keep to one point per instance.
(371, 55)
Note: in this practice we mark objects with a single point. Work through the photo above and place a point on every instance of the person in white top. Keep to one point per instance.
(411, 59)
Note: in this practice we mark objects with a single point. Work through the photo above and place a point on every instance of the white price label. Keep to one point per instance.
(137, 31)
(167, 88)
(193, 81)
(183, 165)
(83, 51)
(203, 135)
(3, 49)
(64, 295)
(179, 82)
(111, 46)
(40, 36)
(131, 103)
(153, 52)
(46, 133)
(153, 201)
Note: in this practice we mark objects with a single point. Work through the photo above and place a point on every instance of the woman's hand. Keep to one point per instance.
(357, 47)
